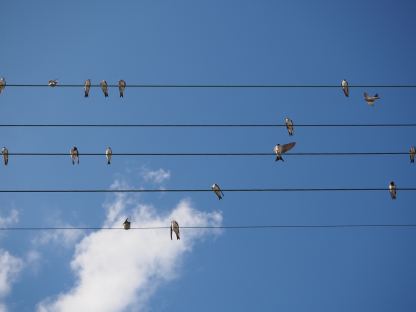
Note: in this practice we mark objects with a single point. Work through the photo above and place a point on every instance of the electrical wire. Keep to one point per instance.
(194, 190)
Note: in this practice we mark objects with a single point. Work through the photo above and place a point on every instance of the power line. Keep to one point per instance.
(208, 125)
(150, 85)
(232, 227)
(194, 190)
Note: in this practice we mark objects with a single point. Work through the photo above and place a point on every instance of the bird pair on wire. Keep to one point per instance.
(74, 153)
(370, 99)
(174, 228)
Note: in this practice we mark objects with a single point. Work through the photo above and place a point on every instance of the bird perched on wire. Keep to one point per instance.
(74, 155)
(289, 126)
(52, 83)
(2, 84)
(5, 153)
(126, 224)
(371, 99)
(344, 85)
(121, 87)
(217, 190)
(108, 154)
(412, 153)
(174, 227)
(392, 190)
(87, 86)
(281, 149)
(104, 87)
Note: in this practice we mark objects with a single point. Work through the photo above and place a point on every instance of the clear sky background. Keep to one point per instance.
(208, 42)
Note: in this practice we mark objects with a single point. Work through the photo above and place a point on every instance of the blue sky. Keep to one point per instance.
(215, 42)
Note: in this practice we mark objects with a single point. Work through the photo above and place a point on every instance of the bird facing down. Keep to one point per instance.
(108, 154)
(74, 155)
(289, 126)
(412, 153)
(121, 87)
(2, 84)
(5, 153)
(392, 190)
(217, 190)
(104, 87)
(126, 224)
(87, 86)
(53, 83)
(344, 85)
(370, 99)
(281, 149)
(174, 227)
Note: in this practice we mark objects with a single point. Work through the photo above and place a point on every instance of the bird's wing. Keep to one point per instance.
(287, 147)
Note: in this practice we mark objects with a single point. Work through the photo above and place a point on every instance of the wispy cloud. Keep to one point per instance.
(12, 218)
(118, 270)
(155, 176)
(10, 267)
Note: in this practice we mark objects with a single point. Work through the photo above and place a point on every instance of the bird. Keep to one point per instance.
(108, 154)
(5, 153)
(392, 190)
(289, 126)
(74, 155)
(174, 227)
(2, 84)
(217, 190)
(87, 87)
(53, 83)
(344, 85)
(370, 99)
(121, 87)
(104, 87)
(281, 149)
(126, 224)
(412, 154)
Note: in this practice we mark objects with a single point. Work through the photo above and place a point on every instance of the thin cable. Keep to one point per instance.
(242, 190)
(222, 85)
(205, 125)
(232, 227)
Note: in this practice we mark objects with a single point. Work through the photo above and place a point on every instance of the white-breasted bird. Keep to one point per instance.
(126, 224)
(74, 155)
(104, 87)
(344, 85)
(217, 190)
(392, 190)
(5, 153)
(87, 86)
(108, 154)
(2, 84)
(289, 126)
(121, 87)
(53, 83)
(280, 149)
(174, 227)
(370, 99)
(412, 153)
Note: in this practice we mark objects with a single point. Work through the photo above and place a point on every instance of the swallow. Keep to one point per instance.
(412, 153)
(5, 153)
(121, 87)
(174, 227)
(344, 85)
(392, 190)
(74, 155)
(52, 83)
(217, 190)
(104, 87)
(108, 154)
(87, 86)
(281, 149)
(289, 126)
(370, 99)
(126, 224)
(2, 84)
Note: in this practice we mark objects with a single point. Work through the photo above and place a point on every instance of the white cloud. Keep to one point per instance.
(156, 176)
(12, 218)
(61, 237)
(10, 267)
(118, 270)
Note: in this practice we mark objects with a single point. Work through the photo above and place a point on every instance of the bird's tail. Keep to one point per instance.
(86, 94)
